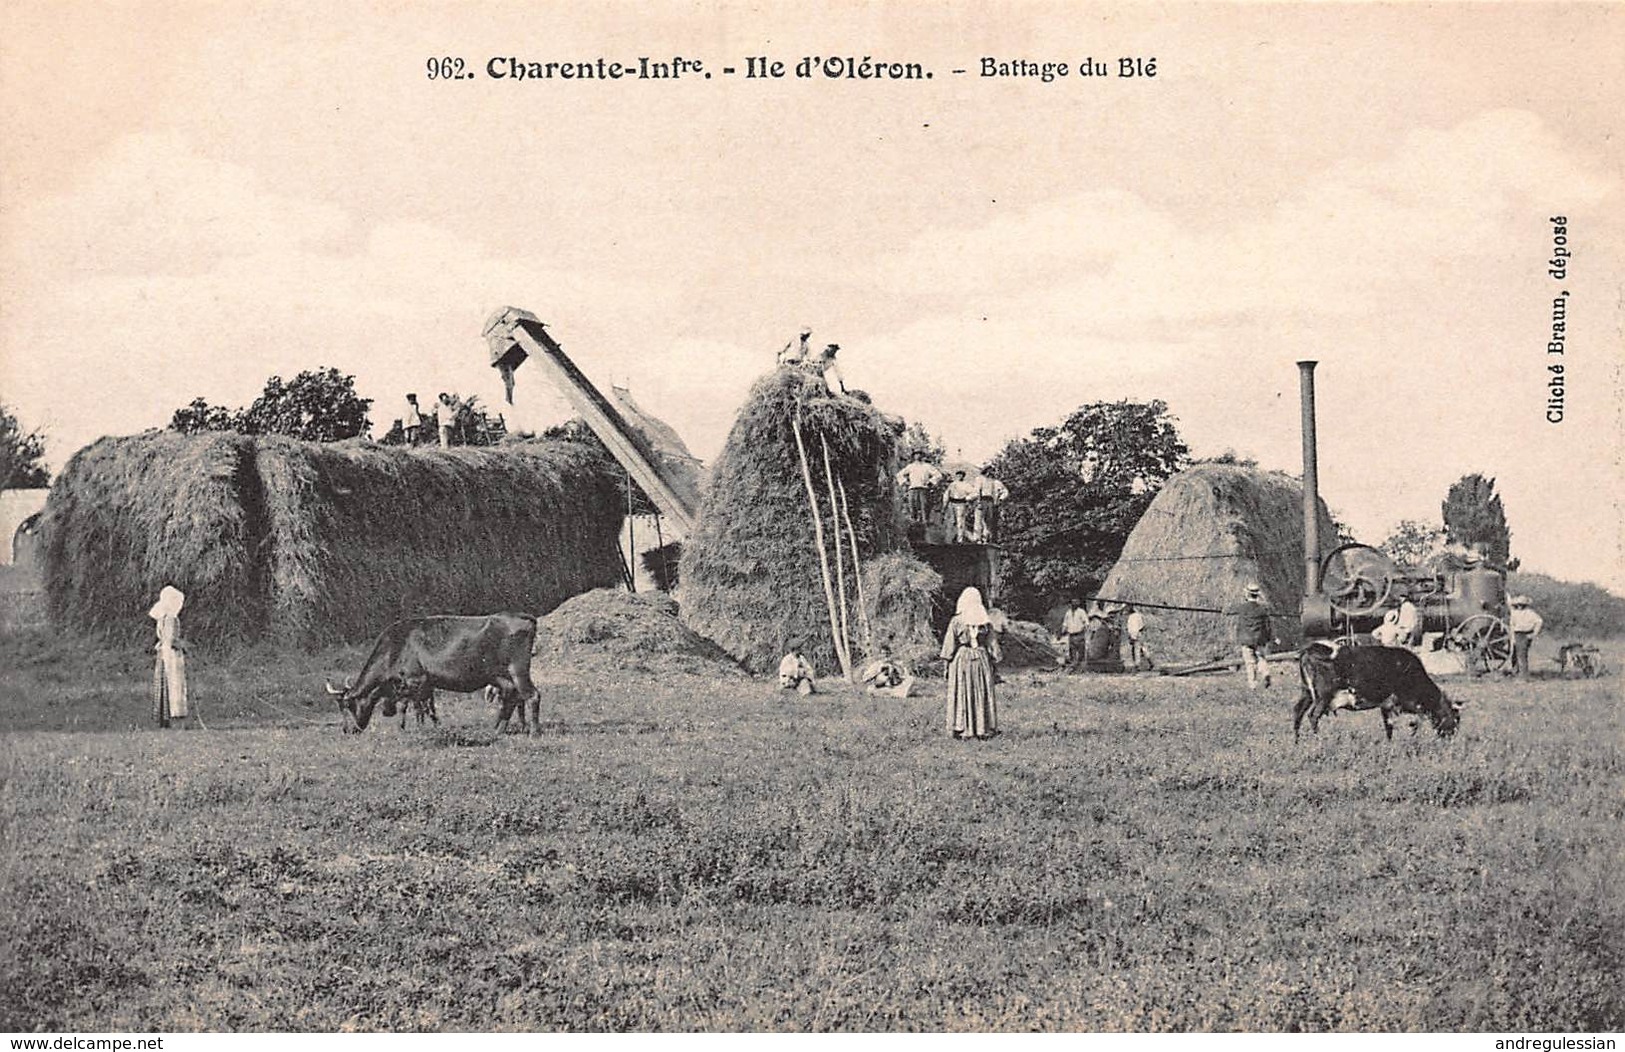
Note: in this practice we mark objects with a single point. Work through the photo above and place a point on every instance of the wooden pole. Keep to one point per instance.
(857, 573)
(840, 573)
(818, 535)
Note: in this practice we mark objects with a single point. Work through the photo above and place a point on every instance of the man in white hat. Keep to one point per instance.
(1525, 625)
(1253, 635)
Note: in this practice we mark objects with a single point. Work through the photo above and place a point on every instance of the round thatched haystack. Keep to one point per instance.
(312, 544)
(750, 572)
(1213, 530)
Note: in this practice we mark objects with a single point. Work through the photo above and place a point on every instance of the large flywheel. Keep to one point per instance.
(1484, 642)
(1357, 579)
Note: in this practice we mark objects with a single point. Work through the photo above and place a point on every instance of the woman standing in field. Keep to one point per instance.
(169, 673)
(972, 710)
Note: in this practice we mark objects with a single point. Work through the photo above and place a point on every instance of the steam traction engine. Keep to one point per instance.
(1467, 608)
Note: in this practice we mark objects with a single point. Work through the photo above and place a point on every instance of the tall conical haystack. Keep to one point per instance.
(751, 575)
(315, 544)
(1213, 530)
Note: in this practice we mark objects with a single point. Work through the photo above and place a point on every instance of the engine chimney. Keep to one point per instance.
(1311, 482)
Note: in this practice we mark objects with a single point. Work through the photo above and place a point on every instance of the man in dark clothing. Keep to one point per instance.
(1253, 635)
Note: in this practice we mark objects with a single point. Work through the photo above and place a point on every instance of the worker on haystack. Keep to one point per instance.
(1253, 635)
(796, 351)
(990, 493)
(796, 672)
(446, 412)
(169, 671)
(412, 422)
(969, 646)
(1389, 633)
(919, 476)
(1525, 625)
(957, 499)
(887, 676)
(827, 367)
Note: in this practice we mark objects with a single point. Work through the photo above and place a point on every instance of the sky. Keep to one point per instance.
(197, 196)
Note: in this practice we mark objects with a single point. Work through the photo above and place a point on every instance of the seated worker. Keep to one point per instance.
(888, 676)
(1389, 633)
(796, 672)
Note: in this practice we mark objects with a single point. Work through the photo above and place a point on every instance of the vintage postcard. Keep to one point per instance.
(846, 516)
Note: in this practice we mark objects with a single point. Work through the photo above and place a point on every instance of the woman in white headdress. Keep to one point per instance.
(967, 647)
(169, 672)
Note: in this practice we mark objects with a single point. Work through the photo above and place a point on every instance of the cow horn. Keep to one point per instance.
(332, 689)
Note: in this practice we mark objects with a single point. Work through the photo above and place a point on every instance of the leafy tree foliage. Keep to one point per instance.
(22, 455)
(1473, 517)
(198, 415)
(917, 443)
(1413, 543)
(1232, 458)
(318, 405)
(1075, 493)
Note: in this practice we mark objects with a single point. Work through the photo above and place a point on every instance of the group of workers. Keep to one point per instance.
(970, 649)
(1087, 632)
(1401, 627)
(970, 505)
(445, 414)
(799, 354)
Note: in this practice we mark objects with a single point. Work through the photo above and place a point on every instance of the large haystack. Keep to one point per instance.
(750, 573)
(313, 544)
(1210, 532)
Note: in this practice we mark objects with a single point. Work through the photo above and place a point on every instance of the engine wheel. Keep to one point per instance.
(1484, 642)
(1356, 579)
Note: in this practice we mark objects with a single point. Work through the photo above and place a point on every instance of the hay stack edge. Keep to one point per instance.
(310, 544)
(751, 572)
(1210, 532)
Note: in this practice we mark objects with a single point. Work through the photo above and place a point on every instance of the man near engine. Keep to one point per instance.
(1525, 625)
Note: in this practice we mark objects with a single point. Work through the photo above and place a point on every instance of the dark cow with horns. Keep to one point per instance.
(1392, 679)
(412, 658)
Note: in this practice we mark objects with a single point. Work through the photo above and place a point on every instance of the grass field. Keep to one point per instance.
(1144, 854)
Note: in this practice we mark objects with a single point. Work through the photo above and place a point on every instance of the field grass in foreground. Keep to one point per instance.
(1143, 854)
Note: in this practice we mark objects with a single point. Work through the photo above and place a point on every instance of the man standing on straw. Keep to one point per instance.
(446, 410)
(919, 476)
(1253, 635)
(169, 672)
(957, 498)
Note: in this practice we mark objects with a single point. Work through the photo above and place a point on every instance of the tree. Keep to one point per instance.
(318, 405)
(1413, 543)
(1075, 493)
(1473, 518)
(198, 415)
(1120, 446)
(917, 443)
(22, 455)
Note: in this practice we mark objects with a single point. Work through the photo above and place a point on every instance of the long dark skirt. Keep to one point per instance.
(972, 709)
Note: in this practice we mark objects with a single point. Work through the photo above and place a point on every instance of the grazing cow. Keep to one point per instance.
(1392, 679)
(412, 658)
